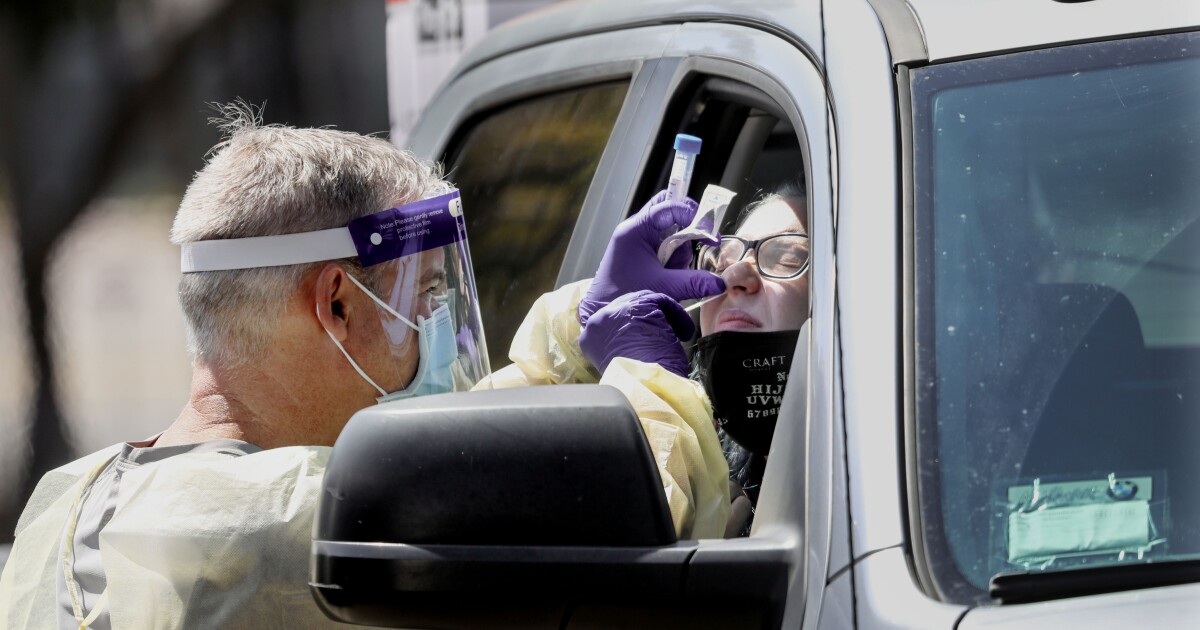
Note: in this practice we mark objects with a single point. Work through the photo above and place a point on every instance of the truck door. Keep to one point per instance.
(553, 145)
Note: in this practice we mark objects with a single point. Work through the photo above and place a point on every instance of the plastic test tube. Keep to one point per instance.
(686, 149)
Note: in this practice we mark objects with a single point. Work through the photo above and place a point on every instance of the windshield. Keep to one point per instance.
(1057, 321)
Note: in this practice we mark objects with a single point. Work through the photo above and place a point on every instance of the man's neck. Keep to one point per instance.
(240, 403)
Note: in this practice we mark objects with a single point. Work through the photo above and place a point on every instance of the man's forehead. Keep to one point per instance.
(435, 256)
(433, 260)
(426, 264)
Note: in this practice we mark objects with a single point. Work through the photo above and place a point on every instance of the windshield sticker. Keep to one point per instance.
(1049, 520)
(1044, 534)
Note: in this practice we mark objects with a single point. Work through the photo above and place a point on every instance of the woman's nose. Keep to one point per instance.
(742, 276)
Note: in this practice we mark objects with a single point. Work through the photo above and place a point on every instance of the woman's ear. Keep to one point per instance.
(329, 293)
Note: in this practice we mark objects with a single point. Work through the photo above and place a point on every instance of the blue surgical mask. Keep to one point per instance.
(438, 351)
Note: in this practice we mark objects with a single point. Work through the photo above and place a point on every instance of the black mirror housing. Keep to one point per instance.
(413, 485)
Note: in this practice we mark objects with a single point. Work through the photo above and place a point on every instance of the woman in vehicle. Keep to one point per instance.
(748, 335)
(626, 328)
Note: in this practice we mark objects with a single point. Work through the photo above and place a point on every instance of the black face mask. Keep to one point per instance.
(744, 374)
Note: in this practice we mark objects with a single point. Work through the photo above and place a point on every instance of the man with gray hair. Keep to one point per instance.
(322, 273)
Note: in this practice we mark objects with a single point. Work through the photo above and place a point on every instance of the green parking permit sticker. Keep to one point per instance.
(1078, 518)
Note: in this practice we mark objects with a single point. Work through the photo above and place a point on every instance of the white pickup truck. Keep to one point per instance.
(993, 417)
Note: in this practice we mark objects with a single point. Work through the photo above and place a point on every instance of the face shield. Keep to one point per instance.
(427, 302)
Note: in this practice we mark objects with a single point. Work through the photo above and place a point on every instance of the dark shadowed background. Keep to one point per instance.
(103, 121)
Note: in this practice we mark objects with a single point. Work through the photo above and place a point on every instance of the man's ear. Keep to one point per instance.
(329, 293)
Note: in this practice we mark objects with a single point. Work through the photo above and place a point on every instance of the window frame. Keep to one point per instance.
(481, 90)
(511, 280)
(631, 54)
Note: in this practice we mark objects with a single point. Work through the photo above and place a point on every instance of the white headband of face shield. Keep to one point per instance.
(279, 249)
(275, 251)
(435, 335)
(267, 251)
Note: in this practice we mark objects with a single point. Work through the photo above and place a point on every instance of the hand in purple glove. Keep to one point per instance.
(646, 326)
(631, 261)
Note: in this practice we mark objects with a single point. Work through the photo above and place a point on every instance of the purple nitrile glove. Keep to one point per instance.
(631, 261)
(646, 326)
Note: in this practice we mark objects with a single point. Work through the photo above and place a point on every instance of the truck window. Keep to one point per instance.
(524, 170)
(749, 147)
(1057, 313)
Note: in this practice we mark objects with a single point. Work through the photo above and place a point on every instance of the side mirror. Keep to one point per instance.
(562, 465)
(433, 505)
(527, 508)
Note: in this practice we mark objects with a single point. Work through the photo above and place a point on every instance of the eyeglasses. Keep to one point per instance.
(780, 256)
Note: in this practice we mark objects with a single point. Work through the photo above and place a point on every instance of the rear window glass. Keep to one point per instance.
(1057, 261)
(524, 171)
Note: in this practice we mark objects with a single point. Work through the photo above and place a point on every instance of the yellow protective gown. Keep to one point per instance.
(197, 540)
(210, 540)
(675, 412)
